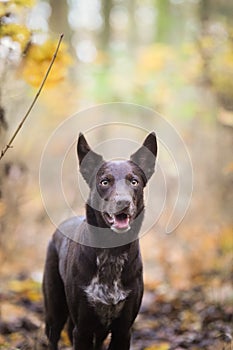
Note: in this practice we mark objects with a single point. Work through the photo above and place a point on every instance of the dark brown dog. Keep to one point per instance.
(93, 271)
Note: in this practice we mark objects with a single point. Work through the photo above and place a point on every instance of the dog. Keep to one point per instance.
(98, 287)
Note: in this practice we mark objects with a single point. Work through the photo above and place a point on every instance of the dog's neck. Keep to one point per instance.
(94, 217)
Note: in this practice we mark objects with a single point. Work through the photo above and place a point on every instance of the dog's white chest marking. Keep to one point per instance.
(105, 291)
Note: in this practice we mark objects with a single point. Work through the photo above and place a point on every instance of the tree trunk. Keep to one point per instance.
(106, 29)
(59, 18)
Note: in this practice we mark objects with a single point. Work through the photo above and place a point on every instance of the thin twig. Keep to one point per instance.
(9, 145)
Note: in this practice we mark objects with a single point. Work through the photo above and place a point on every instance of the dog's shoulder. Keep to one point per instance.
(68, 229)
(71, 226)
(66, 236)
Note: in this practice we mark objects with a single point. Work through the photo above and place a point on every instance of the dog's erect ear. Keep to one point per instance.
(145, 156)
(89, 161)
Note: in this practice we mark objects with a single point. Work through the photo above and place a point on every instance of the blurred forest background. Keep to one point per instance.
(174, 56)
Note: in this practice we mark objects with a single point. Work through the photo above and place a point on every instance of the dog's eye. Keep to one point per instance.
(134, 182)
(104, 182)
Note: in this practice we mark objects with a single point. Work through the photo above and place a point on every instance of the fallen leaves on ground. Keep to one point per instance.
(161, 346)
(168, 320)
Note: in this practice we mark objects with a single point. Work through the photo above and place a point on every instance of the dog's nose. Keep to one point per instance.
(123, 202)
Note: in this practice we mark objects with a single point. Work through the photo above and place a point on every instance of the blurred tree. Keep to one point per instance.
(58, 20)
(19, 53)
(204, 13)
(164, 22)
(15, 38)
(132, 23)
(215, 45)
(105, 34)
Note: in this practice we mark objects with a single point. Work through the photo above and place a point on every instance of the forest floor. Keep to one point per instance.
(168, 320)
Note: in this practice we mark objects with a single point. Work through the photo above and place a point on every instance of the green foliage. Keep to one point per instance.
(151, 77)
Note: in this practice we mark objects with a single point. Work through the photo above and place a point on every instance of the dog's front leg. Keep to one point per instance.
(82, 339)
(120, 340)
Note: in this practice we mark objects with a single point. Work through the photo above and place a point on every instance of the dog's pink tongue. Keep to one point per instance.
(121, 223)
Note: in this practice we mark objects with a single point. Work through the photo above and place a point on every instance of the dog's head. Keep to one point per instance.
(116, 187)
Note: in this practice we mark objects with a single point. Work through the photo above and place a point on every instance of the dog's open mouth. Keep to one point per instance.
(119, 222)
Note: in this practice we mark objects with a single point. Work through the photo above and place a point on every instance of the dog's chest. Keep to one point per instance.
(105, 292)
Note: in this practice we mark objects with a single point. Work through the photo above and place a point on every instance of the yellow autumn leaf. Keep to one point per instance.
(65, 338)
(13, 6)
(16, 32)
(38, 59)
(23, 286)
(34, 295)
(226, 239)
(159, 346)
(15, 339)
(3, 344)
(3, 9)
(10, 5)
(27, 3)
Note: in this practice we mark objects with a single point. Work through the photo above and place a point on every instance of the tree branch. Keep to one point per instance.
(9, 145)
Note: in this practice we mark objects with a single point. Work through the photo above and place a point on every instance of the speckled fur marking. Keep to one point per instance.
(105, 292)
